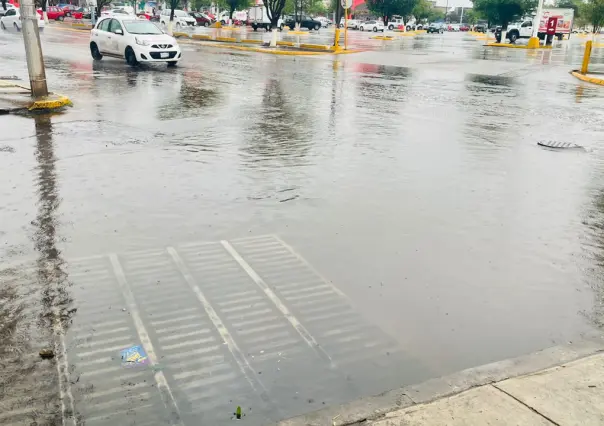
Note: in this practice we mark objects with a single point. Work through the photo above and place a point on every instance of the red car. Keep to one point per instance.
(53, 13)
(69, 10)
(464, 28)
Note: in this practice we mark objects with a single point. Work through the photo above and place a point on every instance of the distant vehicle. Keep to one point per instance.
(202, 19)
(524, 29)
(136, 40)
(8, 7)
(69, 9)
(54, 13)
(396, 23)
(374, 26)
(115, 12)
(464, 27)
(480, 28)
(324, 21)
(258, 18)
(352, 23)
(12, 19)
(305, 22)
(181, 18)
(81, 13)
(436, 27)
(238, 15)
(454, 27)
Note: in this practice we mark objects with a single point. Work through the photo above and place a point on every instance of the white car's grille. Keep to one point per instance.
(161, 46)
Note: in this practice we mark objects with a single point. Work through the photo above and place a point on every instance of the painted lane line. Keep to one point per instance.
(302, 331)
(160, 378)
(237, 354)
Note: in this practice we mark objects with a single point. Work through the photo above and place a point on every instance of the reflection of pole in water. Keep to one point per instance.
(55, 306)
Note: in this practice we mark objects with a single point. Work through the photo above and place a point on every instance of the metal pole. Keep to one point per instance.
(446, 11)
(346, 29)
(33, 49)
(461, 17)
(586, 56)
(537, 21)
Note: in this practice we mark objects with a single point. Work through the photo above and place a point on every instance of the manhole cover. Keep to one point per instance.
(558, 145)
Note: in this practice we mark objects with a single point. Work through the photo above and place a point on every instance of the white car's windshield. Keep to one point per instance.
(142, 27)
(181, 13)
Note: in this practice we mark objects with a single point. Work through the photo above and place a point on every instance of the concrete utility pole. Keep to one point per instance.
(33, 49)
(537, 21)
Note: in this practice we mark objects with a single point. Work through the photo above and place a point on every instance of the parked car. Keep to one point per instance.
(396, 23)
(374, 26)
(181, 18)
(305, 22)
(454, 27)
(436, 27)
(136, 40)
(480, 28)
(352, 23)
(69, 9)
(324, 21)
(8, 7)
(81, 13)
(12, 19)
(115, 12)
(202, 19)
(464, 27)
(258, 18)
(54, 13)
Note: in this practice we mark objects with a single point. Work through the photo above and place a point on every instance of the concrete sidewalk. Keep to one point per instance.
(522, 391)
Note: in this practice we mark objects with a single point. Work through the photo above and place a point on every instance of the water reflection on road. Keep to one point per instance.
(410, 178)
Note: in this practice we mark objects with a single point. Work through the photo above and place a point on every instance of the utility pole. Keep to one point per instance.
(33, 49)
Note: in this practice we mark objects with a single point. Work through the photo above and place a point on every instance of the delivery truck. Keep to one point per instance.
(524, 29)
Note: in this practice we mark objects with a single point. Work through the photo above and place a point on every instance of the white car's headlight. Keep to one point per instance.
(142, 42)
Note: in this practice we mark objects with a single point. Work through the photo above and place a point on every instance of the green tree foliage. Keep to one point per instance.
(593, 12)
(200, 4)
(388, 8)
(422, 10)
(233, 5)
(575, 5)
(504, 11)
(471, 16)
(172, 4)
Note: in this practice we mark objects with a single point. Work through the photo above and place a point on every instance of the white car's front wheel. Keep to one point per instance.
(2, 26)
(16, 26)
(362, 29)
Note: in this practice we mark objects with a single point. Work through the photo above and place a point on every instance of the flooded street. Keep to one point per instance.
(283, 233)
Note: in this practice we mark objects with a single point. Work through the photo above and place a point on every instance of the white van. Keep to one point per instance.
(258, 18)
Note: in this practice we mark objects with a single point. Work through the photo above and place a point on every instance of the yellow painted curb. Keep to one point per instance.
(516, 46)
(251, 41)
(201, 37)
(286, 43)
(79, 25)
(299, 32)
(216, 24)
(230, 39)
(421, 31)
(314, 46)
(177, 34)
(231, 28)
(50, 103)
(382, 38)
(593, 80)
(261, 49)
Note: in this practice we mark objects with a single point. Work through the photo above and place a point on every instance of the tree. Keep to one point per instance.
(233, 5)
(387, 8)
(453, 17)
(504, 11)
(100, 4)
(471, 16)
(593, 12)
(274, 9)
(422, 10)
(199, 4)
(4, 4)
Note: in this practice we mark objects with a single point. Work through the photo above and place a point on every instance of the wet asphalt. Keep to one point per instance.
(284, 233)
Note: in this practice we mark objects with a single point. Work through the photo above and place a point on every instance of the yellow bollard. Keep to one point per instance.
(586, 56)
(336, 43)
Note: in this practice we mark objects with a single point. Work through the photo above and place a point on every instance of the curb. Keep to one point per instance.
(577, 74)
(516, 46)
(389, 38)
(372, 408)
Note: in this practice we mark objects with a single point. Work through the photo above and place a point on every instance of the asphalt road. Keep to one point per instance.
(283, 233)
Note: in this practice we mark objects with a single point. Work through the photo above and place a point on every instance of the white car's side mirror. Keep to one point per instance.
(118, 31)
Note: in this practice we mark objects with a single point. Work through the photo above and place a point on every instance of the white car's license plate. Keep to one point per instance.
(164, 55)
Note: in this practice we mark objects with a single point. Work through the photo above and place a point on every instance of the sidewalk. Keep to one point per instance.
(570, 393)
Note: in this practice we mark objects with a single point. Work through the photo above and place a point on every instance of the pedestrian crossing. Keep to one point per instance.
(243, 322)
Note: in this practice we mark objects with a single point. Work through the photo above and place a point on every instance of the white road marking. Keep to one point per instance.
(160, 378)
(238, 355)
(302, 331)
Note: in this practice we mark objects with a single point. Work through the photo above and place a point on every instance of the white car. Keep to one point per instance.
(116, 12)
(352, 24)
(8, 6)
(12, 19)
(134, 39)
(374, 26)
(324, 21)
(181, 18)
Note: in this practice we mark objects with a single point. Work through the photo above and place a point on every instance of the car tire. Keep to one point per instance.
(390, 27)
(281, 27)
(255, 27)
(16, 26)
(317, 27)
(172, 64)
(362, 29)
(178, 25)
(2, 26)
(375, 30)
(67, 14)
(94, 51)
(441, 31)
(408, 28)
(130, 57)
(60, 18)
(513, 36)
(267, 27)
(206, 24)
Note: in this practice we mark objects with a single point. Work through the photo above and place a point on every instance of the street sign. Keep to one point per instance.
(346, 4)
(551, 25)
